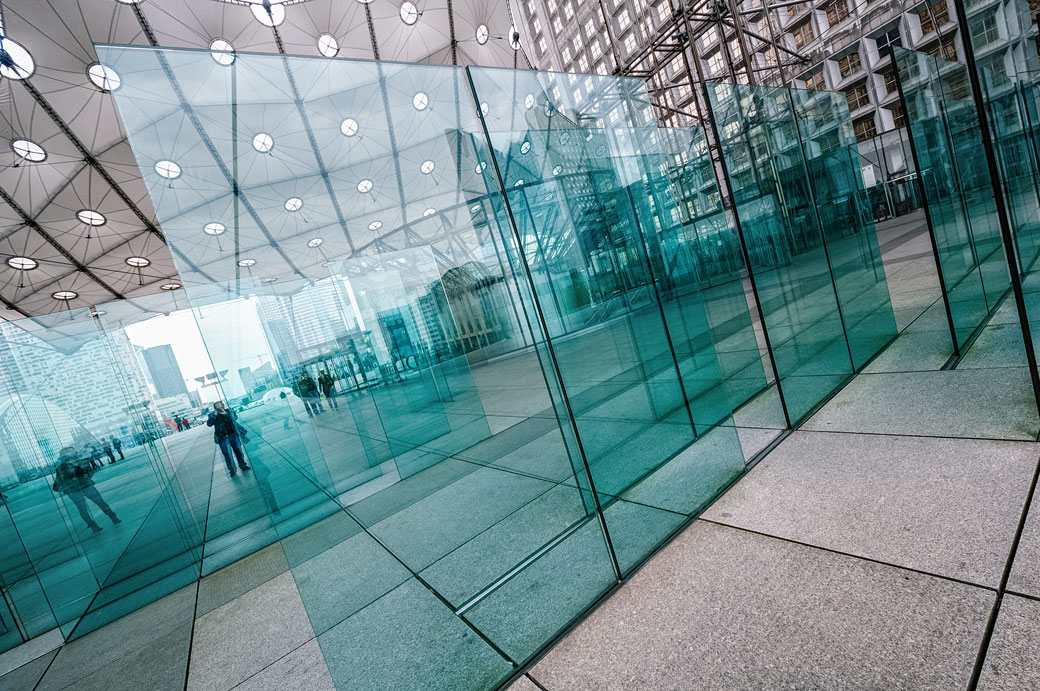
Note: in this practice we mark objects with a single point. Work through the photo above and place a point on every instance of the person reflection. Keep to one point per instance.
(73, 477)
(328, 388)
(225, 435)
(307, 390)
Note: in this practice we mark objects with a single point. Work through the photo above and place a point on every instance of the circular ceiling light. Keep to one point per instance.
(375, 225)
(475, 208)
(349, 127)
(365, 2)
(484, 108)
(364, 186)
(29, 150)
(420, 101)
(246, 262)
(104, 78)
(269, 280)
(138, 262)
(316, 242)
(90, 217)
(18, 63)
(549, 109)
(168, 170)
(263, 142)
(426, 167)
(222, 52)
(328, 45)
(65, 295)
(214, 228)
(518, 182)
(525, 147)
(557, 170)
(172, 285)
(272, 15)
(409, 13)
(293, 204)
(514, 38)
(482, 34)
(529, 101)
(22, 263)
(429, 212)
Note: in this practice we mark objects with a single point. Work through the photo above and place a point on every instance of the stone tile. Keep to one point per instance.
(99, 649)
(945, 506)
(26, 676)
(238, 639)
(303, 669)
(994, 404)
(522, 684)
(999, 345)
(914, 351)
(30, 650)
(1011, 660)
(240, 577)
(736, 610)
(1025, 572)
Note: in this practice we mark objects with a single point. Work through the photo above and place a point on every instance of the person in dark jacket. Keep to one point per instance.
(73, 477)
(106, 446)
(328, 387)
(307, 389)
(225, 434)
(117, 444)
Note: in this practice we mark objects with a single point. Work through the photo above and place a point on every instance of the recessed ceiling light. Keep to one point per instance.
(129, 2)
(168, 170)
(420, 101)
(409, 13)
(529, 101)
(375, 225)
(18, 63)
(293, 204)
(65, 295)
(482, 34)
(484, 109)
(214, 228)
(525, 147)
(518, 182)
(480, 167)
(364, 186)
(104, 77)
(328, 45)
(247, 262)
(316, 242)
(172, 285)
(429, 212)
(90, 217)
(349, 127)
(426, 167)
(138, 262)
(22, 263)
(222, 51)
(364, 2)
(272, 15)
(29, 150)
(269, 280)
(475, 208)
(263, 142)
(557, 170)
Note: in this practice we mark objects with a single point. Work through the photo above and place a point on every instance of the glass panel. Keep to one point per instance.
(773, 202)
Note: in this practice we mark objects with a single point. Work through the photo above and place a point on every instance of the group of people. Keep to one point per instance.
(92, 454)
(182, 424)
(310, 391)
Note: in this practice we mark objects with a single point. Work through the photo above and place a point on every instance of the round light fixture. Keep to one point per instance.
(168, 170)
(482, 34)
(246, 262)
(263, 142)
(28, 150)
(557, 170)
(328, 45)
(138, 262)
(222, 52)
(409, 13)
(316, 242)
(475, 208)
(484, 109)
(375, 225)
(18, 63)
(104, 77)
(214, 228)
(22, 263)
(518, 182)
(429, 212)
(529, 101)
(172, 285)
(293, 204)
(65, 295)
(426, 167)
(420, 101)
(272, 15)
(364, 186)
(349, 127)
(90, 217)
(525, 147)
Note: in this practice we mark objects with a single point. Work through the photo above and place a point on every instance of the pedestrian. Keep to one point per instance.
(225, 435)
(307, 389)
(328, 387)
(73, 477)
(117, 444)
(184, 421)
(106, 446)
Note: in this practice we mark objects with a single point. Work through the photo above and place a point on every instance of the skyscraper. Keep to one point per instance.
(166, 373)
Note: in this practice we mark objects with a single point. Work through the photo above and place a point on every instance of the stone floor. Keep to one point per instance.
(874, 548)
